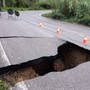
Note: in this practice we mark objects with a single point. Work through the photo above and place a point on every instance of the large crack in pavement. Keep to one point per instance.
(68, 56)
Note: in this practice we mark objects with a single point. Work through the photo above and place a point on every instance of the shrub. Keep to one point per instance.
(45, 6)
(82, 11)
(84, 21)
(79, 10)
(57, 15)
(3, 85)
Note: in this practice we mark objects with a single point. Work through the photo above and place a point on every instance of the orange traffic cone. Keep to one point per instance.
(41, 24)
(58, 31)
(85, 41)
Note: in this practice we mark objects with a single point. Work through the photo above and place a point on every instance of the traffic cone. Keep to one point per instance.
(41, 24)
(58, 31)
(85, 41)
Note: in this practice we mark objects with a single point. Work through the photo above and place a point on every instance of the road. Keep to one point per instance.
(70, 32)
(75, 79)
(20, 49)
(16, 46)
(27, 25)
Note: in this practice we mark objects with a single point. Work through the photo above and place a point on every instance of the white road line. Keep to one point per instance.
(4, 56)
(19, 86)
(22, 86)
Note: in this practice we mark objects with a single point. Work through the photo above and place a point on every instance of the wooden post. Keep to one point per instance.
(4, 3)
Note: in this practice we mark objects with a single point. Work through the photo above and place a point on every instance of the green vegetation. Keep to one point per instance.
(71, 10)
(3, 85)
(26, 4)
(22, 8)
(68, 10)
(18, 3)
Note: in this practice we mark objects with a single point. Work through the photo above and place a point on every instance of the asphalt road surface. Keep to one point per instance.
(71, 32)
(74, 79)
(21, 41)
(16, 46)
(28, 25)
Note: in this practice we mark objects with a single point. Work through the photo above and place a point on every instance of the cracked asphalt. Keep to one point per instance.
(18, 50)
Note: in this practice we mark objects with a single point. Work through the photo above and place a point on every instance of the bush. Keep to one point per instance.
(64, 8)
(3, 85)
(20, 3)
(57, 15)
(45, 6)
(79, 10)
(10, 3)
(54, 15)
(84, 21)
(82, 11)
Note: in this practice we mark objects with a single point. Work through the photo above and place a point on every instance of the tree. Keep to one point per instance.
(4, 3)
(0, 3)
(10, 3)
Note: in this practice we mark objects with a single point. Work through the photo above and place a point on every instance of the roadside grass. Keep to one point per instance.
(77, 11)
(22, 9)
(55, 15)
(4, 85)
(61, 17)
(49, 15)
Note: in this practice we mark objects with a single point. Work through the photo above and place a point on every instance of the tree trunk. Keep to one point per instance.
(4, 3)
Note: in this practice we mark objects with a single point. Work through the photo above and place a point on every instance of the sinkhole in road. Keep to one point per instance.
(68, 56)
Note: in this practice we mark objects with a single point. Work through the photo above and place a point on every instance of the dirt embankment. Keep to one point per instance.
(72, 55)
(68, 56)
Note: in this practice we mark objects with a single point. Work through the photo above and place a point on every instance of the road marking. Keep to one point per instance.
(4, 56)
(21, 85)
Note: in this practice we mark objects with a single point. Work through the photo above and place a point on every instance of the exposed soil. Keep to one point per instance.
(68, 56)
